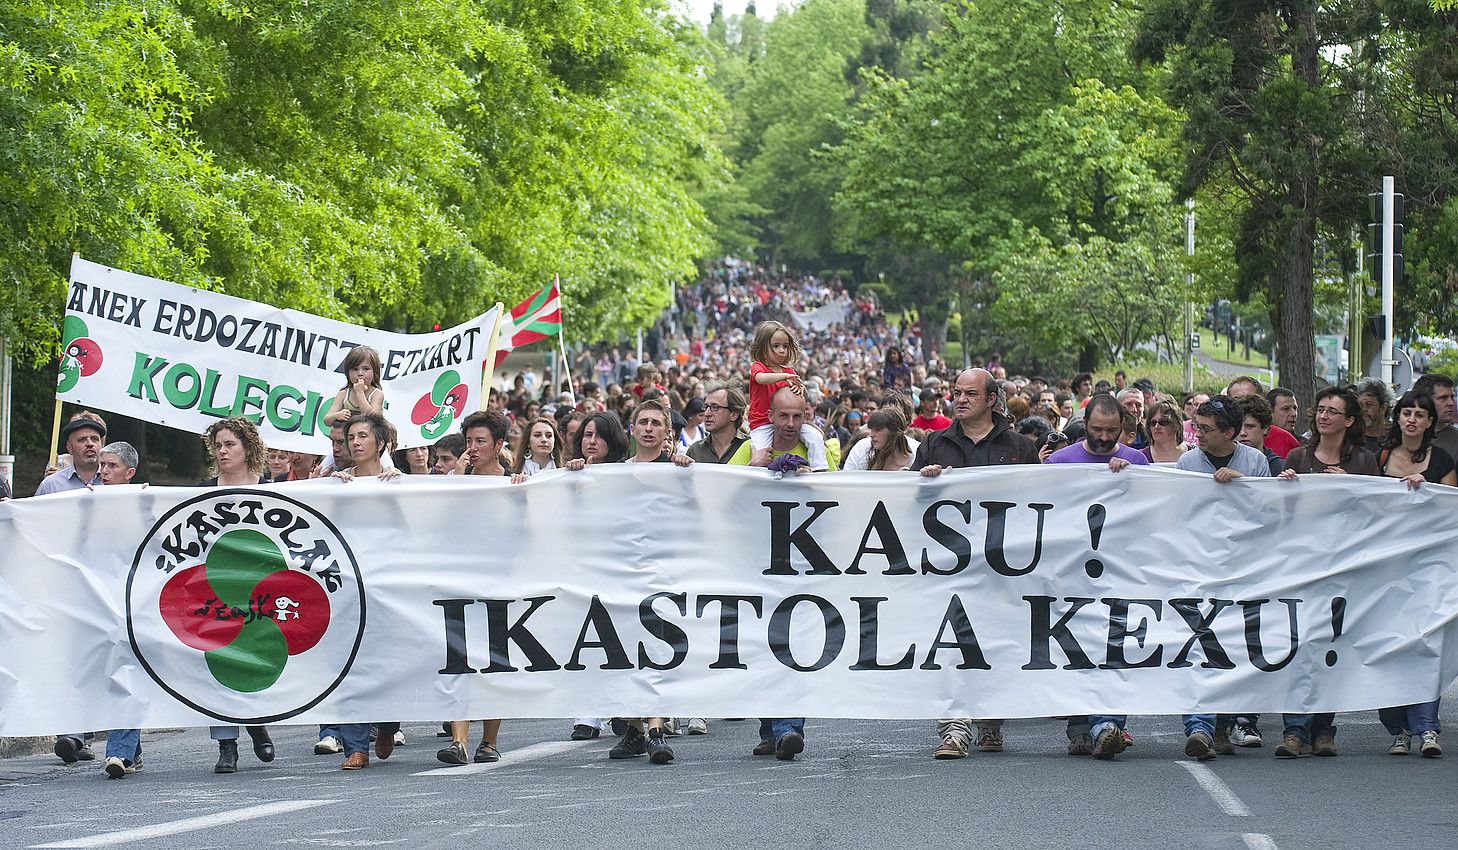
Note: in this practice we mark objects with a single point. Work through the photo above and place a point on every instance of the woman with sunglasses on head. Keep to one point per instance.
(1335, 448)
(1408, 453)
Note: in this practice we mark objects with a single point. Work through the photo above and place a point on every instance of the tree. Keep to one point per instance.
(1263, 114)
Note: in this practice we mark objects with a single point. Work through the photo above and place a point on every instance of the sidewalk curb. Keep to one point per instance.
(16, 747)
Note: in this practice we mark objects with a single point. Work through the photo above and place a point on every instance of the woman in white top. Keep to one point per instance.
(541, 448)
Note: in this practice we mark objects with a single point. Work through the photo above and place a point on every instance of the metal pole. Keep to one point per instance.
(1389, 186)
(1189, 305)
(640, 345)
(7, 460)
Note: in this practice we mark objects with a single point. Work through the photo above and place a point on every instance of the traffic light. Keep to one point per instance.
(1374, 237)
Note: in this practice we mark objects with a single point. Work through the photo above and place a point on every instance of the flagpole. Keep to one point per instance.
(566, 368)
(56, 419)
(489, 370)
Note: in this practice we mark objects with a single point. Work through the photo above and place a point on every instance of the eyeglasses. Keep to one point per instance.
(715, 408)
(1331, 411)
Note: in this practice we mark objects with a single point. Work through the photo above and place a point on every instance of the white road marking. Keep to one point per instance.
(145, 833)
(1217, 789)
(1258, 841)
(511, 757)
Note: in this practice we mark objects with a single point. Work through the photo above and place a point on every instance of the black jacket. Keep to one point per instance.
(952, 448)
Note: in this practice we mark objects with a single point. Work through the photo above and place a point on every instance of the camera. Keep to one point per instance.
(1057, 438)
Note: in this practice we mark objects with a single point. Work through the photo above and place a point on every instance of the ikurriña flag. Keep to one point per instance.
(534, 319)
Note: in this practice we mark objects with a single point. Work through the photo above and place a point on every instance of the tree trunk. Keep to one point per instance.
(1292, 309)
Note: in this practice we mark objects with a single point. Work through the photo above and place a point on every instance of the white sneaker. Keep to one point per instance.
(1244, 733)
(399, 739)
(698, 726)
(328, 745)
(1401, 745)
(1430, 749)
(670, 726)
(115, 768)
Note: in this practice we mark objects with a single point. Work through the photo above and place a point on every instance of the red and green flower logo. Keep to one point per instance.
(445, 403)
(245, 610)
(80, 355)
(245, 605)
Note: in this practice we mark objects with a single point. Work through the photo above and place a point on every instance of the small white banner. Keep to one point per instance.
(185, 357)
(709, 591)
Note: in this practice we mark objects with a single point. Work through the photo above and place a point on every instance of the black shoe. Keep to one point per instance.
(485, 754)
(85, 754)
(67, 748)
(790, 745)
(764, 748)
(262, 744)
(454, 754)
(658, 750)
(583, 732)
(227, 757)
(445, 730)
(620, 726)
(632, 745)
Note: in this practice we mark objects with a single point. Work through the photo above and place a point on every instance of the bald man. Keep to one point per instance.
(978, 436)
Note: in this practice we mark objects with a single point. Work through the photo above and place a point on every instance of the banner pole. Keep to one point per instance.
(490, 362)
(566, 369)
(56, 419)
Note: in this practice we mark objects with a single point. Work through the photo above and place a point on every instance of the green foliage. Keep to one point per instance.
(384, 162)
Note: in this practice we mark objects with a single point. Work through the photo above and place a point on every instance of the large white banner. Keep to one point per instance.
(822, 317)
(713, 591)
(185, 357)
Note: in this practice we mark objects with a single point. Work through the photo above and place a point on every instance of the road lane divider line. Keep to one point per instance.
(1225, 798)
(177, 827)
(1258, 841)
(509, 758)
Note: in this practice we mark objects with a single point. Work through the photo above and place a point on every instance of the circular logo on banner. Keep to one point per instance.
(246, 605)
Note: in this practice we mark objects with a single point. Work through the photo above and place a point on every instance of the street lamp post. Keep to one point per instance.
(1189, 305)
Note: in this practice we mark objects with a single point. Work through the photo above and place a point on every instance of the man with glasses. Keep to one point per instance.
(723, 414)
(978, 436)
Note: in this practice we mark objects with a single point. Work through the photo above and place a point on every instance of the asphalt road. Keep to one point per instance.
(859, 783)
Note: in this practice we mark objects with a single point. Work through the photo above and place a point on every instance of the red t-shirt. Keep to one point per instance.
(936, 423)
(1281, 441)
(760, 394)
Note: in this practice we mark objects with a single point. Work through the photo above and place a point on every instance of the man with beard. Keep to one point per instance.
(82, 437)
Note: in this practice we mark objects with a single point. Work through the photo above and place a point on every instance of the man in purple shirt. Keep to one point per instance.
(1105, 420)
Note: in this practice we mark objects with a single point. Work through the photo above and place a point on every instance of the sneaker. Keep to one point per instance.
(486, 754)
(670, 727)
(1430, 749)
(399, 739)
(454, 754)
(1128, 740)
(764, 748)
(1223, 745)
(1081, 745)
(583, 732)
(1292, 747)
(1200, 746)
(328, 746)
(445, 730)
(659, 752)
(1401, 744)
(634, 744)
(1245, 734)
(115, 768)
(989, 739)
(135, 765)
(1109, 743)
(1324, 746)
(789, 745)
(698, 726)
(952, 747)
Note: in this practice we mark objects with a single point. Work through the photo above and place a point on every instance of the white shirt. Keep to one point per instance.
(859, 458)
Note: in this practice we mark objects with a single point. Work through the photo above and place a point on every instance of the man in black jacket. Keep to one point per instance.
(978, 436)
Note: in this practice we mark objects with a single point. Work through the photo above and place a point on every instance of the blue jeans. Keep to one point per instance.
(1416, 718)
(1309, 727)
(331, 730)
(1199, 723)
(774, 728)
(125, 744)
(356, 736)
(1094, 721)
